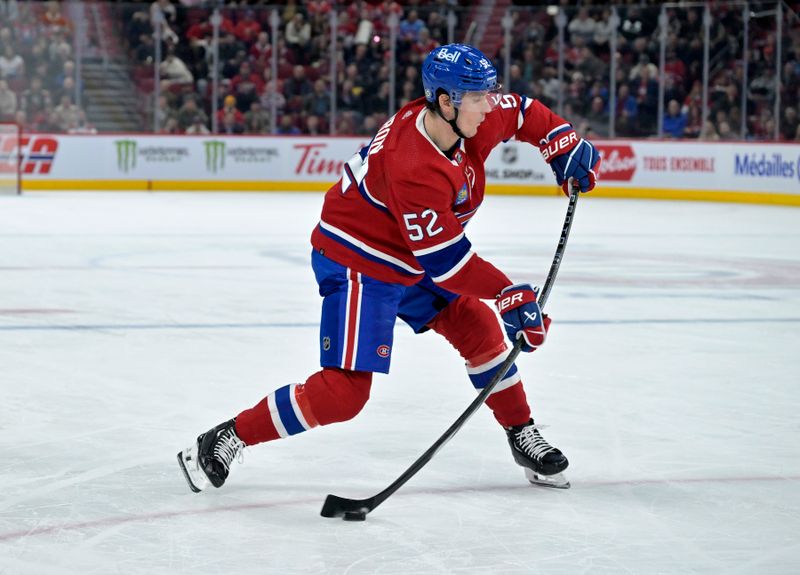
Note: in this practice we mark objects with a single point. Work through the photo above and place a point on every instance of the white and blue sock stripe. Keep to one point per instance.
(481, 375)
(285, 413)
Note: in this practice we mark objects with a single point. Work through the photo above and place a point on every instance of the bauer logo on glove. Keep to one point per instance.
(574, 161)
(522, 316)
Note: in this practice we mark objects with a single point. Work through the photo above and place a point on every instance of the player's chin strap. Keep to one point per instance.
(452, 122)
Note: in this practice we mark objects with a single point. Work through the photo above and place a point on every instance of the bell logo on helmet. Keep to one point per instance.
(445, 54)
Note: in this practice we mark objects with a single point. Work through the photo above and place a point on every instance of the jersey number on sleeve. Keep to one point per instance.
(416, 231)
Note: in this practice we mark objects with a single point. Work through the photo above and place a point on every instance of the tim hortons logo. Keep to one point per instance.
(619, 162)
(312, 162)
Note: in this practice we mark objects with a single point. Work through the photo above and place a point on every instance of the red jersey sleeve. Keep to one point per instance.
(516, 116)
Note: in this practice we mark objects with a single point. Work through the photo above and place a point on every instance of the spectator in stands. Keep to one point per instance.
(8, 102)
(173, 71)
(145, 51)
(66, 114)
(298, 84)
(709, 132)
(517, 83)
(597, 116)
(313, 125)
(247, 29)
(81, 125)
(256, 119)
(643, 65)
(198, 126)
(188, 111)
(694, 122)
(164, 111)
(298, 36)
(34, 99)
(246, 85)
(790, 123)
(378, 101)
(286, 125)
(582, 26)
(230, 123)
(261, 51)
(12, 66)
(166, 12)
(550, 85)
(410, 27)
(318, 102)
(647, 100)
(424, 44)
(171, 127)
(725, 132)
(603, 29)
(674, 120)
(272, 97)
(229, 109)
(53, 19)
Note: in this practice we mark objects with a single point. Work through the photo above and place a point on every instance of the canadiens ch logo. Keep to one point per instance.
(459, 157)
(383, 350)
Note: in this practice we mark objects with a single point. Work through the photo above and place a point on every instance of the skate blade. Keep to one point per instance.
(556, 481)
(188, 462)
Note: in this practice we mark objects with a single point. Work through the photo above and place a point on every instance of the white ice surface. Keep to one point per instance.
(129, 323)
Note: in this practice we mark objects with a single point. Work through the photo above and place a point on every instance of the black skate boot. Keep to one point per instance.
(209, 459)
(542, 462)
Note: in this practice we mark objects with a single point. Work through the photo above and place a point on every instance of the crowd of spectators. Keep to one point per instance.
(300, 91)
(38, 82)
(587, 61)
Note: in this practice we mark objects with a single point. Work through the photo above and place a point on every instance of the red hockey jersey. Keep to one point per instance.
(400, 208)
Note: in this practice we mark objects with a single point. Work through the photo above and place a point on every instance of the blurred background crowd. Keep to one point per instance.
(149, 66)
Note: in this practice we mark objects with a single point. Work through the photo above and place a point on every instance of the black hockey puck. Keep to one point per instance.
(355, 515)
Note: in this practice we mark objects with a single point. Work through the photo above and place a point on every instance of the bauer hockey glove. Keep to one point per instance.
(572, 159)
(522, 316)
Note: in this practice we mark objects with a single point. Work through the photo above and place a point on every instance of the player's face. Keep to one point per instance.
(473, 109)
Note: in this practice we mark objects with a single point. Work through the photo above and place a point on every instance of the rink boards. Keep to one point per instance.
(753, 172)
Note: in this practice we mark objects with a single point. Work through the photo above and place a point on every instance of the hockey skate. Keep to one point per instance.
(209, 460)
(542, 462)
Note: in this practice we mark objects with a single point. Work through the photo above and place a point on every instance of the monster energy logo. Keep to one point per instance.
(215, 155)
(126, 155)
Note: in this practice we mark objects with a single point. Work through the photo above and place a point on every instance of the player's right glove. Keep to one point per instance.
(574, 161)
(522, 316)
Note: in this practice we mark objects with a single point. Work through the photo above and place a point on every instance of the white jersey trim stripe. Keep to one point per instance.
(371, 197)
(370, 250)
(275, 415)
(455, 269)
(437, 247)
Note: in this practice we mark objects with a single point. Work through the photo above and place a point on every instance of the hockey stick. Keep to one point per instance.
(357, 509)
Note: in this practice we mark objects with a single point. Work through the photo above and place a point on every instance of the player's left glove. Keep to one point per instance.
(522, 316)
(574, 161)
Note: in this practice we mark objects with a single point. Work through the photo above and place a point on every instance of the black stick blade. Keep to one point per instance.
(336, 506)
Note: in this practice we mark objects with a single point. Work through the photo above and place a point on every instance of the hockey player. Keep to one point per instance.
(391, 243)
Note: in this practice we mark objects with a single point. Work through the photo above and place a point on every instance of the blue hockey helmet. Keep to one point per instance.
(456, 69)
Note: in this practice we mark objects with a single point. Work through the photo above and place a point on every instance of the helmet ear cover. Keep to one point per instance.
(435, 107)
